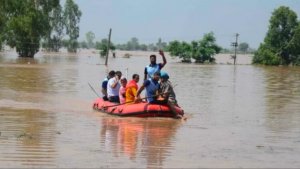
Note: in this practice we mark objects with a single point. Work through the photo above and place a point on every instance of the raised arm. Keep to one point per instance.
(163, 57)
(114, 85)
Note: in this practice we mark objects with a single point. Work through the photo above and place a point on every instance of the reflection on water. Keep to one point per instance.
(150, 139)
(238, 116)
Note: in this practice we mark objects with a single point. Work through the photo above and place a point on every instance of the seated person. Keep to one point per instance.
(152, 87)
(113, 87)
(122, 90)
(131, 88)
(166, 89)
(111, 74)
(168, 94)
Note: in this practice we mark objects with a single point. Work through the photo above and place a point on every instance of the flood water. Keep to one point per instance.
(237, 116)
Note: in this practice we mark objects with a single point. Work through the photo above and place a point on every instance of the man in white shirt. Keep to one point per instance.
(113, 87)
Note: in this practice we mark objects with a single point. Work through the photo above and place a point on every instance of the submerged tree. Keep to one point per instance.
(102, 46)
(181, 50)
(206, 49)
(27, 23)
(72, 16)
(243, 47)
(202, 50)
(280, 45)
(90, 37)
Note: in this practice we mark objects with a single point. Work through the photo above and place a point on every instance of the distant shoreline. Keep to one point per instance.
(242, 59)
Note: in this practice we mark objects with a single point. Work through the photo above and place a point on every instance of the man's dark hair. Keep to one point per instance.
(111, 73)
(152, 56)
(118, 73)
(134, 76)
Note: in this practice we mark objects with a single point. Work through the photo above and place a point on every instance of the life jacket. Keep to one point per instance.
(131, 90)
(151, 69)
(151, 90)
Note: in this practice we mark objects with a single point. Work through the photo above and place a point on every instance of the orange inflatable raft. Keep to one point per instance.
(142, 109)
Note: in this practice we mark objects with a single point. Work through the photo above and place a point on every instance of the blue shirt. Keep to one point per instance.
(151, 69)
(151, 87)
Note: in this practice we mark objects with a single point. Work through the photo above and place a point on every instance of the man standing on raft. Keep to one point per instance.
(154, 67)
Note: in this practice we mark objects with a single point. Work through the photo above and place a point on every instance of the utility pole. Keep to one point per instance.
(108, 47)
(235, 45)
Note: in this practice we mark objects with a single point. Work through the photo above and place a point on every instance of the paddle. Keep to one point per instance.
(94, 90)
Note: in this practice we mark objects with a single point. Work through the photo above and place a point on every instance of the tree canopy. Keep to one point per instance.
(202, 50)
(23, 24)
(243, 47)
(26, 23)
(102, 46)
(90, 37)
(72, 16)
(281, 44)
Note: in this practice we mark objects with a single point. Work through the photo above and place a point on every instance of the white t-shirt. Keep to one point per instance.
(113, 91)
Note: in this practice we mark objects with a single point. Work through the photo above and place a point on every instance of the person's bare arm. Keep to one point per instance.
(163, 57)
(114, 85)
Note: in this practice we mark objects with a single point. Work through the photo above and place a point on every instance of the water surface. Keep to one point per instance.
(238, 116)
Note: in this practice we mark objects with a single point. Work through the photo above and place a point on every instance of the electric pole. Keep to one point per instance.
(235, 45)
(108, 47)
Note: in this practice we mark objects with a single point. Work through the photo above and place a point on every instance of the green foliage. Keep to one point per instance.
(181, 50)
(294, 46)
(26, 24)
(202, 50)
(143, 47)
(161, 45)
(133, 44)
(90, 37)
(152, 47)
(281, 42)
(2, 22)
(83, 45)
(55, 35)
(243, 47)
(266, 56)
(206, 49)
(72, 16)
(102, 46)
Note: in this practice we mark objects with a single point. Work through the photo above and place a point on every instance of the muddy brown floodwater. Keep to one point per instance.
(238, 116)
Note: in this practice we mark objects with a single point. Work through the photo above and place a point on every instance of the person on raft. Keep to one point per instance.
(110, 75)
(131, 89)
(122, 91)
(113, 87)
(152, 87)
(166, 89)
(167, 93)
(153, 66)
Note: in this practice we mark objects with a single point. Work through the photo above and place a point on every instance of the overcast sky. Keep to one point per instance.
(180, 19)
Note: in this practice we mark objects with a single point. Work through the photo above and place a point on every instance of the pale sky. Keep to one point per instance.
(180, 19)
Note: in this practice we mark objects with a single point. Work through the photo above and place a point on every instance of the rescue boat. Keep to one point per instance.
(142, 109)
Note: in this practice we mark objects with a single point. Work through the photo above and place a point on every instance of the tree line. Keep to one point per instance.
(176, 48)
(29, 24)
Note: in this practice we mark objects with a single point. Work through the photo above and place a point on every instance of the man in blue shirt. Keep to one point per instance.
(152, 87)
(154, 67)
